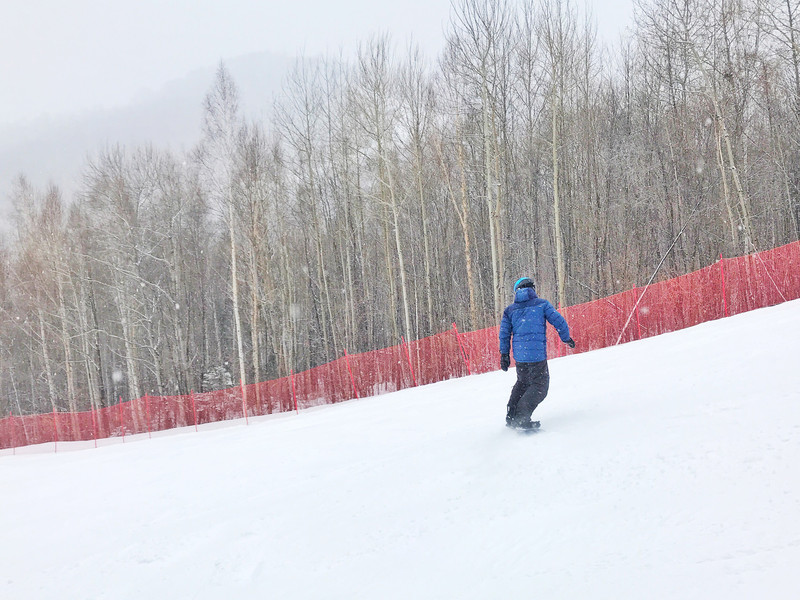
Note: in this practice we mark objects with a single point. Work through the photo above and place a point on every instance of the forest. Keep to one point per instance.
(392, 194)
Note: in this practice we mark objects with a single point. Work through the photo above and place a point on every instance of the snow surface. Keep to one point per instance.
(666, 468)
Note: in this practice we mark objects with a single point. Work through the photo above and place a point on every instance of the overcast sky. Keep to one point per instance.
(64, 56)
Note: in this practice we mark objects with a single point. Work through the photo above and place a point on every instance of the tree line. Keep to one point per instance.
(392, 194)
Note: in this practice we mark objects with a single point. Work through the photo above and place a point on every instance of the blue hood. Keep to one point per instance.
(525, 294)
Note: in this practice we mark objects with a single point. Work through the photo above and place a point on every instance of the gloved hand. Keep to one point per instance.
(570, 342)
(505, 361)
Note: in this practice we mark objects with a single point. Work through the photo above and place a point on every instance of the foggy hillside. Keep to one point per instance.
(55, 149)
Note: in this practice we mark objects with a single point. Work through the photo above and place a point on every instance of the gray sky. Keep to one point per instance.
(64, 56)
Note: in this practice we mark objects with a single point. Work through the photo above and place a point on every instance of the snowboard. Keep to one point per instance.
(536, 427)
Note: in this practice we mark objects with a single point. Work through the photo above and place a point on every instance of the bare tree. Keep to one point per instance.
(217, 155)
(475, 51)
(378, 119)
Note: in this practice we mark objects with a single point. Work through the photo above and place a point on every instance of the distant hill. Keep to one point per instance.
(55, 149)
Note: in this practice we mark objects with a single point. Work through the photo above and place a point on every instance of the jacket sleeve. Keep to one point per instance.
(557, 321)
(505, 333)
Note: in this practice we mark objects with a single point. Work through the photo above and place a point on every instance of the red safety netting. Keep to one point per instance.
(729, 286)
(437, 358)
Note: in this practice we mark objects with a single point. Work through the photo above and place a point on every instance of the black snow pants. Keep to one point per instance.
(533, 381)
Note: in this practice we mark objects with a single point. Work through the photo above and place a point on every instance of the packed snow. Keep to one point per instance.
(665, 468)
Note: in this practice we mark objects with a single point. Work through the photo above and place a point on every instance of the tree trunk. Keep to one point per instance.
(48, 369)
(65, 341)
(425, 235)
(236, 313)
(493, 233)
(560, 268)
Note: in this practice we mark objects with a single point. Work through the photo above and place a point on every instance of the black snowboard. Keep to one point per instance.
(525, 430)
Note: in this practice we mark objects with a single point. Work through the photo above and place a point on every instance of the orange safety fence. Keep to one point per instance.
(728, 287)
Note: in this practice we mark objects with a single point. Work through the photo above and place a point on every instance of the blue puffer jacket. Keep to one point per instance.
(526, 320)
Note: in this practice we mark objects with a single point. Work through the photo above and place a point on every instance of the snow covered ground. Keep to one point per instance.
(666, 468)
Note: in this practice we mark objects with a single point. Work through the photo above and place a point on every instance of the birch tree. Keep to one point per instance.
(216, 156)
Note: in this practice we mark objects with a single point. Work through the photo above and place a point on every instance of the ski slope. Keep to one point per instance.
(666, 468)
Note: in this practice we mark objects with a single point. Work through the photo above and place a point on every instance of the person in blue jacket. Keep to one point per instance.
(526, 322)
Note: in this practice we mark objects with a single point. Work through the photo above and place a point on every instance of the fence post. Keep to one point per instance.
(55, 429)
(559, 349)
(259, 403)
(638, 324)
(194, 410)
(349, 370)
(722, 278)
(564, 348)
(244, 403)
(294, 392)
(147, 412)
(410, 365)
(463, 351)
(94, 425)
(13, 433)
(121, 420)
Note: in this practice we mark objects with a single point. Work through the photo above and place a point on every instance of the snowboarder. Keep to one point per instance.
(526, 321)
